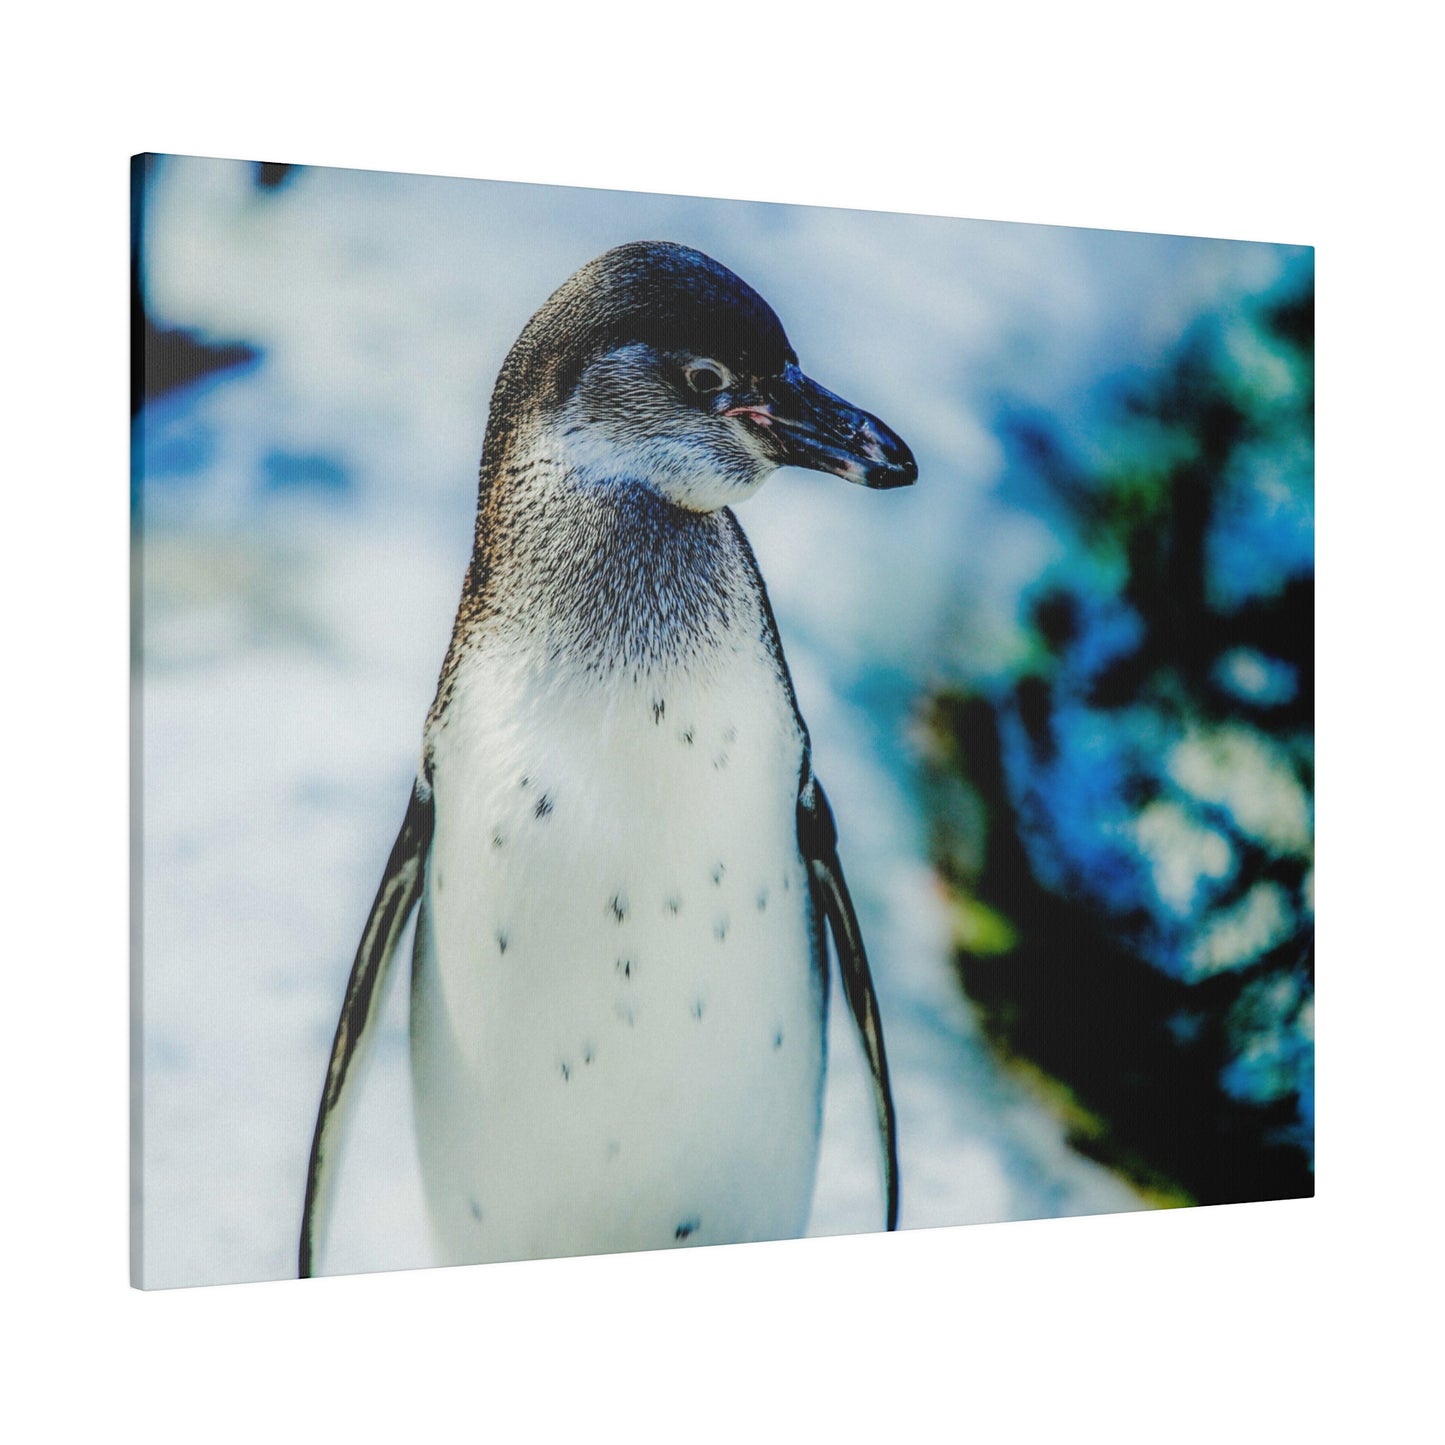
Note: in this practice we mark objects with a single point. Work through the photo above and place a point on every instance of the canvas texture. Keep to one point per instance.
(664, 722)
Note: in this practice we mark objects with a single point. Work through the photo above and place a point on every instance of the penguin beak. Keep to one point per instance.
(806, 425)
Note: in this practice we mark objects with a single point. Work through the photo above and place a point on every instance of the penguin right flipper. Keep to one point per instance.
(818, 843)
(400, 888)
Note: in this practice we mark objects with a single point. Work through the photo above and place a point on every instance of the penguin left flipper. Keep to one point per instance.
(818, 843)
(401, 886)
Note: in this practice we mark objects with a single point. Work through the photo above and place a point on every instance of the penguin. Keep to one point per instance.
(623, 865)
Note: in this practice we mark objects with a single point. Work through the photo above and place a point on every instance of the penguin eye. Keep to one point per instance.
(705, 377)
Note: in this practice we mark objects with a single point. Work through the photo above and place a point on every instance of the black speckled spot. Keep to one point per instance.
(497, 840)
(718, 874)
(526, 782)
(502, 941)
(617, 907)
(686, 1228)
(543, 808)
(566, 1071)
(624, 967)
(778, 1039)
(476, 1211)
(697, 1008)
(762, 899)
(720, 761)
(720, 928)
(673, 905)
(687, 737)
(659, 707)
(588, 1053)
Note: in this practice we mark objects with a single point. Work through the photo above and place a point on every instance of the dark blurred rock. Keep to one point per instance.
(167, 358)
(272, 175)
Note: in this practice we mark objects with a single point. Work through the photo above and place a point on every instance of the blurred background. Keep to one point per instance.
(1060, 692)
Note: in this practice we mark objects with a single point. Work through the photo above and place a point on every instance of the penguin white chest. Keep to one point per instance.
(618, 994)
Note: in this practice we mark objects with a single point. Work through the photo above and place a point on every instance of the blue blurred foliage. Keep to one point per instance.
(285, 471)
(179, 442)
(1263, 531)
(1153, 804)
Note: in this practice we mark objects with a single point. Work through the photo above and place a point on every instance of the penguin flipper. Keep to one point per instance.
(400, 888)
(818, 842)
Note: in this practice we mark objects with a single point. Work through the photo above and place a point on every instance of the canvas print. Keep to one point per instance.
(663, 722)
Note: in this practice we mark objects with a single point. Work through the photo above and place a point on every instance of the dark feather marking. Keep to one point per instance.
(720, 928)
(658, 709)
(818, 843)
(778, 1039)
(400, 887)
(686, 1228)
(502, 942)
(657, 293)
(673, 905)
(617, 906)
(718, 874)
(697, 1008)
(543, 808)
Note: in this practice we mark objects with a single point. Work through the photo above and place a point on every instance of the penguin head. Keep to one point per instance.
(654, 363)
